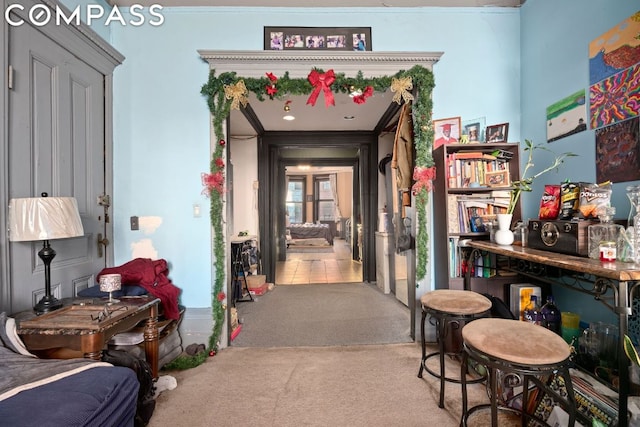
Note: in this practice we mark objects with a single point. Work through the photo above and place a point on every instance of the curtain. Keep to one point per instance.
(287, 220)
(333, 180)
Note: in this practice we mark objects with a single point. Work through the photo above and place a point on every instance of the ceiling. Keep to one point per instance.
(346, 115)
(324, 3)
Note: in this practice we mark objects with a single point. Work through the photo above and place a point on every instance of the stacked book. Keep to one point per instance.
(467, 167)
(469, 213)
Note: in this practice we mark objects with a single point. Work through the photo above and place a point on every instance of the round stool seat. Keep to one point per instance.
(515, 341)
(455, 302)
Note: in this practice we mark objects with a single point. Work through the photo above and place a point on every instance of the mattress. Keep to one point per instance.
(101, 396)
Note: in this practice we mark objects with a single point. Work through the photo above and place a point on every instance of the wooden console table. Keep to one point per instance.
(86, 325)
(613, 284)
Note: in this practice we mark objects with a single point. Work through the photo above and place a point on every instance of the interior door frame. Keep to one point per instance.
(298, 64)
(363, 145)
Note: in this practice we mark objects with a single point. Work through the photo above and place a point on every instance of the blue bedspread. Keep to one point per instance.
(53, 392)
(104, 396)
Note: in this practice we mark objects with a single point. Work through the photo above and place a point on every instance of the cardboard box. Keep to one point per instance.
(256, 281)
(261, 290)
(520, 297)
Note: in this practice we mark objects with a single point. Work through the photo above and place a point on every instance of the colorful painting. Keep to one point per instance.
(567, 116)
(615, 50)
(616, 98)
(618, 152)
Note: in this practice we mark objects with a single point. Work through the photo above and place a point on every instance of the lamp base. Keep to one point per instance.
(46, 304)
(112, 300)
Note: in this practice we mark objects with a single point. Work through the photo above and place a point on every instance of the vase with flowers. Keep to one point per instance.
(504, 235)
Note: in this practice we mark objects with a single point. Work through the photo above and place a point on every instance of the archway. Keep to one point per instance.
(367, 65)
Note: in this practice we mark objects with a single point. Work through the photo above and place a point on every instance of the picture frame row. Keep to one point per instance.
(452, 130)
(317, 38)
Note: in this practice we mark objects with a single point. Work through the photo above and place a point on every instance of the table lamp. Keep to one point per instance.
(110, 283)
(44, 218)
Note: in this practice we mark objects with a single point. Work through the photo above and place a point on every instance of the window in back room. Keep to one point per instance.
(325, 206)
(295, 199)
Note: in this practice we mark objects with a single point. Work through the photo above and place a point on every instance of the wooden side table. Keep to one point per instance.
(86, 325)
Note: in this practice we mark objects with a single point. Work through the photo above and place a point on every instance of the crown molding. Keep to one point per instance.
(298, 63)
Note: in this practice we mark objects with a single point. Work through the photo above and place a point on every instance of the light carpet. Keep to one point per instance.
(323, 315)
(365, 385)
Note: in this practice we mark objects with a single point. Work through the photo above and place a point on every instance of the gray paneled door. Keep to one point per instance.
(56, 145)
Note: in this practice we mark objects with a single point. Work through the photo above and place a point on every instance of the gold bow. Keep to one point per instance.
(402, 87)
(238, 94)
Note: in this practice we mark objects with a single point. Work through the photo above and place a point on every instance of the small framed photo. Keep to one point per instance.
(447, 131)
(497, 179)
(497, 133)
(474, 130)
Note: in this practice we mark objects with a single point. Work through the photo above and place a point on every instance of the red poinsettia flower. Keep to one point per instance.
(220, 162)
(271, 77)
(221, 296)
(362, 98)
(271, 90)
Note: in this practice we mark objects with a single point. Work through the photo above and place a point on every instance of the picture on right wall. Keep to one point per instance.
(567, 116)
(618, 152)
(612, 52)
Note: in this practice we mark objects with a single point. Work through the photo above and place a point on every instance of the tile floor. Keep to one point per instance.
(319, 267)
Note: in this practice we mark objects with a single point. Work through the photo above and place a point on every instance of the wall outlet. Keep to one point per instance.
(135, 225)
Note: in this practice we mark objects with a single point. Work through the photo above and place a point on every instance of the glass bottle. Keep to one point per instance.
(532, 313)
(633, 193)
(604, 237)
(551, 316)
(627, 244)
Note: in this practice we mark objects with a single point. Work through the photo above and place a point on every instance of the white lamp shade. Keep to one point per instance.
(44, 218)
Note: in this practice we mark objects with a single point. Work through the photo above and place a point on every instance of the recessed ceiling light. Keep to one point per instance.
(288, 117)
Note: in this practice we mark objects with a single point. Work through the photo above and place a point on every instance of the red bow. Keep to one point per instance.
(321, 82)
(212, 182)
(423, 178)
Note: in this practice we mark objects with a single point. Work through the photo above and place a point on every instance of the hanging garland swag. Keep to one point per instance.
(228, 91)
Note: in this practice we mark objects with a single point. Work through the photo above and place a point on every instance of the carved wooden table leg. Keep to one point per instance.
(91, 345)
(151, 340)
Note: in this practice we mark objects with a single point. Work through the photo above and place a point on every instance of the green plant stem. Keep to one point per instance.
(525, 183)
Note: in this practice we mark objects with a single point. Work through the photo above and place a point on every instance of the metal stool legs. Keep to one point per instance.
(529, 374)
(442, 320)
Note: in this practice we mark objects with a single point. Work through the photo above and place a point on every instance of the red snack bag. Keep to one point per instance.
(550, 202)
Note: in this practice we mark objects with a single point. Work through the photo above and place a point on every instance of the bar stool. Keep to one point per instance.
(451, 309)
(530, 351)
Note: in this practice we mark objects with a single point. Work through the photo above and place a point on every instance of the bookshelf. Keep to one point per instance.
(471, 187)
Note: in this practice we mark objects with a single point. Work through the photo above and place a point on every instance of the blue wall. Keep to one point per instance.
(162, 121)
(555, 63)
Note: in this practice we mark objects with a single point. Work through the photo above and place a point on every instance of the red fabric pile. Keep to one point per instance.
(151, 275)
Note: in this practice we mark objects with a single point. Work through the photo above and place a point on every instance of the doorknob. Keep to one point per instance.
(101, 242)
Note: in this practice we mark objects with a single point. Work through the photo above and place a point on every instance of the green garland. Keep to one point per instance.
(219, 107)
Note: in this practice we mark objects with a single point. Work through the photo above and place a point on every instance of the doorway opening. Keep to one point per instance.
(270, 177)
(319, 221)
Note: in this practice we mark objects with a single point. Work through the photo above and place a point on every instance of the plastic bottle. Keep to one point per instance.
(552, 318)
(532, 313)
